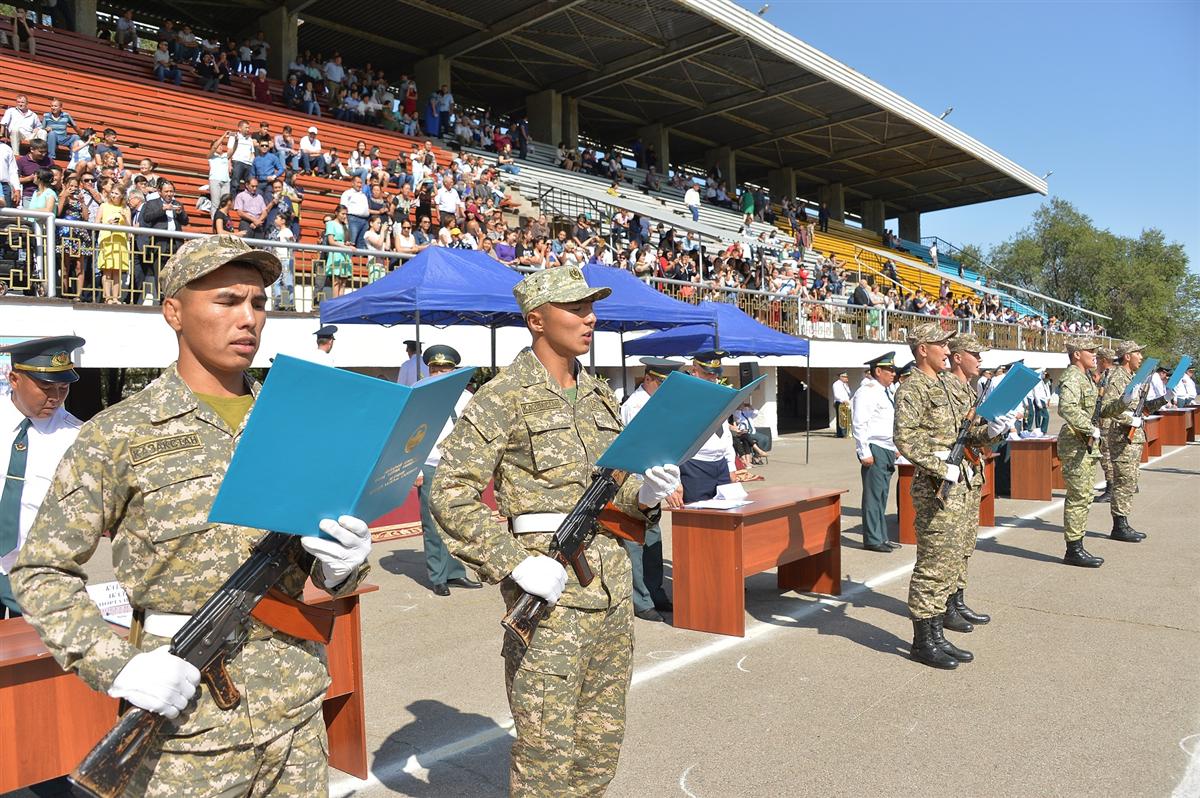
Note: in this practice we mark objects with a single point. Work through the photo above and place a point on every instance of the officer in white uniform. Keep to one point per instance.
(1185, 391)
(841, 404)
(650, 599)
(715, 462)
(873, 414)
(414, 369)
(35, 432)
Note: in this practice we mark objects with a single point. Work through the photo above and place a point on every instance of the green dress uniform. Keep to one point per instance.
(1125, 449)
(146, 471)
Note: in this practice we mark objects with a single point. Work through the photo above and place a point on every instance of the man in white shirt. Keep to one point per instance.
(414, 369)
(442, 568)
(1185, 391)
(650, 599)
(10, 178)
(358, 210)
(1041, 403)
(691, 200)
(1156, 395)
(21, 123)
(241, 156)
(715, 463)
(35, 432)
(448, 202)
(841, 404)
(874, 414)
(312, 156)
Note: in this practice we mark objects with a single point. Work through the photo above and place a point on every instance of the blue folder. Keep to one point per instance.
(1009, 392)
(674, 424)
(322, 442)
(1139, 376)
(1178, 373)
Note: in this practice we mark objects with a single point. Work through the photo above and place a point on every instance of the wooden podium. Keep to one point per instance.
(1034, 468)
(63, 718)
(908, 513)
(1178, 425)
(795, 529)
(1152, 426)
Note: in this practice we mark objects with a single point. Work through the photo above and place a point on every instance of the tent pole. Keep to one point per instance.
(624, 369)
(493, 346)
(807, 405)
(417, 333)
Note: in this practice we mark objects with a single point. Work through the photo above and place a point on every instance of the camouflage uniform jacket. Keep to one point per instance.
(1077, 395)
(522, 432)
(146, 471)
(1114, 405)
(929, 413)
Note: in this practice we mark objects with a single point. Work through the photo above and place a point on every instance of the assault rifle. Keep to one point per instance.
(207, 640)
(1139, 408)
(1096, 413)
(569, 548)
(960, 451)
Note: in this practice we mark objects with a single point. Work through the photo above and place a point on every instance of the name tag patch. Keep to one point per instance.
(529, 408)
(144, 450)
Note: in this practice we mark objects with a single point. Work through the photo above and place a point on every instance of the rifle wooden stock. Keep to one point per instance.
(107, 769)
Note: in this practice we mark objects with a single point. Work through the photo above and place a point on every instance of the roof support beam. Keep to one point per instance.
(624, 30)
(990, 177)
(296, 6)
(641, 64)
(912, 169)
(919, 137)
(742, 99)
(359, 33)
(511, 24)
(445, 13)
(812, 125)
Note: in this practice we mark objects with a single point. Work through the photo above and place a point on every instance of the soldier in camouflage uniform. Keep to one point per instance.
(146, 471)
(1106, 360)
(1126, 453)
(929, 414)
(1077, 406)
(536, 429)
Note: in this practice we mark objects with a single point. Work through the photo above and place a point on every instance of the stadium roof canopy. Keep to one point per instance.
(716, 74)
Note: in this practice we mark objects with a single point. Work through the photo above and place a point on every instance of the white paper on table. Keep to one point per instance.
(114, 605)
(728, 496)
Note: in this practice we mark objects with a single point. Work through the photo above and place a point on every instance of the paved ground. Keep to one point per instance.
(1085, 683)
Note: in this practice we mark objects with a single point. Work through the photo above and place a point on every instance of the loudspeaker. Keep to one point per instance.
(747, 373)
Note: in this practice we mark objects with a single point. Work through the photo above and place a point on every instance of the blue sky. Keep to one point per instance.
(1104, 94)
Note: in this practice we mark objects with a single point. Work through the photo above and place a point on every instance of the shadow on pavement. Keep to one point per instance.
(993, 546)
(1187, 471)
(406, 563)
(479, 772)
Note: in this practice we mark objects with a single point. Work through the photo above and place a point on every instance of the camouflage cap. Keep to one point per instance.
(1106, 353)
(202, 256)
(1128, 348)
(1081, 344)
(968, 342)
(931, 332)
(562, 284)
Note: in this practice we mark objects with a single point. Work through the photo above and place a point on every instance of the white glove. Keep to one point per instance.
(1000, 425)
(953, 472)
(1096, 433)
(658, 483)
(341, 556)
(542, 576)
(1135, 422)
(157, 681)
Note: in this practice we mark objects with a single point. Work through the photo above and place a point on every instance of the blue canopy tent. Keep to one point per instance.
(439, 286)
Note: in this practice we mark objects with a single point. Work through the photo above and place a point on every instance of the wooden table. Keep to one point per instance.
(795, 529)
(1034, 468)
(1152, 426)
(1178, 426)
(908, 513)
(63, 718)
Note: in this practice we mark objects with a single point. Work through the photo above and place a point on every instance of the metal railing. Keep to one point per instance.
(41, 255)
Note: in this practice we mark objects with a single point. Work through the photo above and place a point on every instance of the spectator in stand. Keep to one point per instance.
(933, 254)
(505, 162)
(112, 247)
(125, 36)
(245, 59)
(267, 167)
(241, 155)
(445, 107)
(218, 170)
(283, 290)
(260, 88)
(252, 210)
(221, 224)
(43, 197)
(208, 73)
(28, 167)
(189, 47)
(403, 239)
(338, 265)
(285, 145)
(312, 155)
(22, 31)
(165, 67)
(691, 200)
(376, 239)
(335, 166)
(57, 122)
(358, 212)
(261, 51)
(21, 124)
(652, 182)
(71, 207)
(334, 74)
(449, 202)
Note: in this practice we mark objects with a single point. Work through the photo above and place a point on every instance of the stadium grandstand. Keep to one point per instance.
(689, 141)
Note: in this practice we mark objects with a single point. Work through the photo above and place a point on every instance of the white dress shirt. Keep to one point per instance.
(356, 202)
(633, 405)
(435, 454)
(872, 417)
(412, 371)
(719, 446)
(8, 171)
(1185, 391)
(1158, 388)
(49, 440)
(841, 391)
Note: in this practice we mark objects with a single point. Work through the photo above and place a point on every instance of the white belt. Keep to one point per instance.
(537, 522)
(164, 624)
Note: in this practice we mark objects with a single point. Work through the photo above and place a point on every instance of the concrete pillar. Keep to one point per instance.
(834, 196)
(279, 28)
(660, 137)
(544, 110)
(570, 121)
(430, 74)
(910, 226)
(726, 160)
(873, 215)
(84, 12)
(782, 184)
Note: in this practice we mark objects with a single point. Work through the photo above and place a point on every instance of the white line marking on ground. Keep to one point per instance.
(683, 781)
(661, 655)
(345, 786)
(739, 664)
(1189, 785)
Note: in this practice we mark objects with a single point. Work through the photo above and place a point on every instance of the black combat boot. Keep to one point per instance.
(1123, 532)
(952, 620)
(939, 639)
(925, 650)
(960, 604)
(1078, 555)
(1123, 522)
(1106, 496)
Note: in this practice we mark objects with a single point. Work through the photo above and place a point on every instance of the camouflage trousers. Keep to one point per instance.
(567, 696)
(294, 764)
(1106, 453)
(1126, 460)
(945, 541)
(1079, 475)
